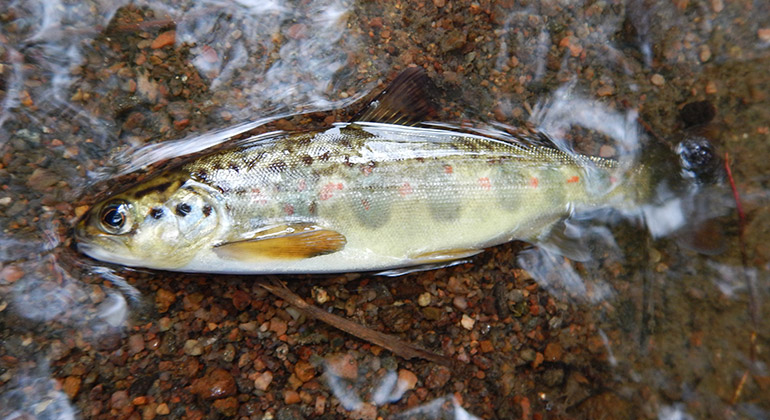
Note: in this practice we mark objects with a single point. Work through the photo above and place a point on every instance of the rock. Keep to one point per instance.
(164, 299)
(438, 377)
(553, 352)
(119, 399)
(241, 300)
(424, 299)
(657, 80)
(344, 366)
(432, 313)
(193, 348)
(304, 371)
(278, 326)
(163, 40)
(406, 379)
(227, 406)
(135, 344)
(71, 386)
(460, 302)
(486, 346)
(218, 383)
(290, 397)
(162, 409)
(764, 34)
(263, 381)
(367, 411)
(453, 40)
(467, 322)
(42, 179)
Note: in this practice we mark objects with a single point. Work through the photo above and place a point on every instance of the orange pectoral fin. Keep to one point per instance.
(288, 243)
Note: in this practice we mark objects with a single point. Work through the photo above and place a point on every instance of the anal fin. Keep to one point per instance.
(433, 260)
(289, 242)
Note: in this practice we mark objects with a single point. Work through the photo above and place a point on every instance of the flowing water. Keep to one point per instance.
(663, 316)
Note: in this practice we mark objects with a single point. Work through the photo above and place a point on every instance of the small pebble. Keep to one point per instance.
(278, 326)
(164, 39)
(290, 397)
(164, 324)
(344, 366)
(193, 348)
(467, 322)
(704, 54)
(366, 411)
(552, 352)
(304, 371)
(218, 383)
(164, 299)
(406, 379)
(241, 300)
(605, 90)
(424, 299)
(320, 405)
(764, 34)
(263, 381)
(320, 295)
(438, 377)
(460, 302)
(227, 406)
(135, 344)
(486, 346)
(71, 386)
(657, 80)
(119, 399)
(162, 409)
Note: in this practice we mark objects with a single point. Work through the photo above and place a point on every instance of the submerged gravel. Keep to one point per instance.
(198, 346)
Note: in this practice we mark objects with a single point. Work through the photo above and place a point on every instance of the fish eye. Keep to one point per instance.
(114, 216)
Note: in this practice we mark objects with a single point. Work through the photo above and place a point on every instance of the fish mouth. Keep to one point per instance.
(106, 249)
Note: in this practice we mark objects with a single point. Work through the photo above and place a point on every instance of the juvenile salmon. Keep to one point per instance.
(373, 194)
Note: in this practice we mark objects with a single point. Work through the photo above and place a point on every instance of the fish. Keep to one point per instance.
(382, 192)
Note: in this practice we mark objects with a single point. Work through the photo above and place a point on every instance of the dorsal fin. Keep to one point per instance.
(404, 101)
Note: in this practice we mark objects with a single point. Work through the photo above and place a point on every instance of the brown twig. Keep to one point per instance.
(739, 207)
(395, 345)
(753, 308)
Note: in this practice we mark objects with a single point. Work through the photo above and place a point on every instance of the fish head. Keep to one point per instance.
(160, 225)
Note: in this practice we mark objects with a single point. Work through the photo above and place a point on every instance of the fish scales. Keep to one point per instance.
(398, 196)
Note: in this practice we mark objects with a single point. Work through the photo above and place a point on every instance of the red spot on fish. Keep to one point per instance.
(327, 191)
(366, 204)
(405, 189)
(367, 170)
(573, 179)
(613, 180)
(485, 184)
(288, 209)
(448, 169)
(257, 197)
(301, 185)
(533, 182)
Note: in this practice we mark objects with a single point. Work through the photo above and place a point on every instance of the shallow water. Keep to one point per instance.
(647, 327)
